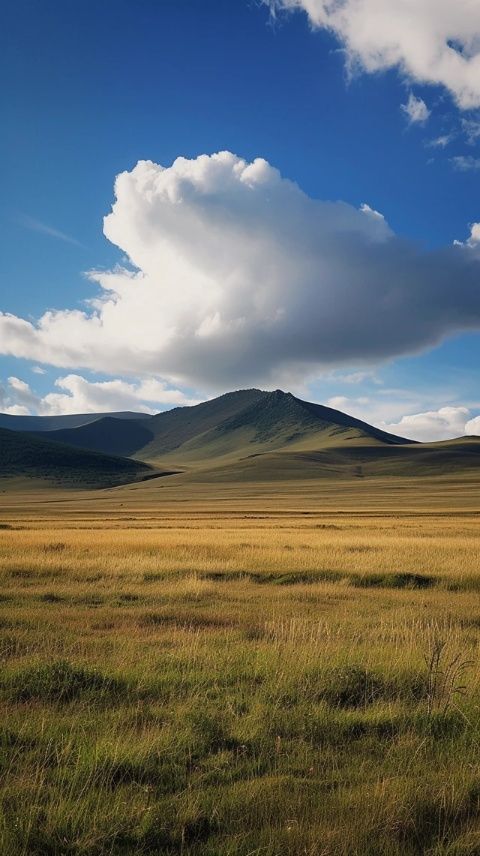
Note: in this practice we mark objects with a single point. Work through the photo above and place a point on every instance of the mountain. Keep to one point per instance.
(28, 457)
(52, 423)
(230, 427)
(249, 435)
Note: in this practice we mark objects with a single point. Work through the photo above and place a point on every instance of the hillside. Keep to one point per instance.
(348, 462)
(25, 456)
(108, 434)
(227, 428)
(53, 423)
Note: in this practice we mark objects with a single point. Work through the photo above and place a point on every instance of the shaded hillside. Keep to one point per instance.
(27, 456)
(53, 423)
(112, 435)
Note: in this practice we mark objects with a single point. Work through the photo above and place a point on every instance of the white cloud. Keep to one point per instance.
(442, 424)
(441, 142)
(20, 394)
(38, 370)
(82, 396)
(473, 426)
(241, 278)
(429, 426)
(465, 163)
(416, 110)
(78, 395)
(471, 129)
(16, 410)
(385, 405)
(429, 41)
(473, 241)
(371, 212)
(16, 397)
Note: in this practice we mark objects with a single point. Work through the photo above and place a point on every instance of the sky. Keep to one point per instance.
(200, 197)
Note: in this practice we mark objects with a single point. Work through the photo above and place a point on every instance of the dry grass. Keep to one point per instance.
(240, 673)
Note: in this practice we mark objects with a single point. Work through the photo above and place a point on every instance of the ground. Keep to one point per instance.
(253, 669)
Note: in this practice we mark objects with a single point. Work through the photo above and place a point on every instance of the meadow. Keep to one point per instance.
(241, 670)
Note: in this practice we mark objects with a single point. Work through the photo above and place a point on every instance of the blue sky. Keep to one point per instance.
(89, 89)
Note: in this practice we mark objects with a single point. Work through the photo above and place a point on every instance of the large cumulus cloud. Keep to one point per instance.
(238, 277)
(430, 41)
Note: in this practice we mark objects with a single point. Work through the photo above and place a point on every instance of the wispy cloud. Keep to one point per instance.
(441, 142)
(45, 229)
(416, 110)
(465, 163)
(471, 129)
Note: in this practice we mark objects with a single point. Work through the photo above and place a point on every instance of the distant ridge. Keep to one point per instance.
(108, 434)
(52, 423)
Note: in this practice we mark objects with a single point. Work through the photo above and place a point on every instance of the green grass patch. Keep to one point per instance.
(60, 682)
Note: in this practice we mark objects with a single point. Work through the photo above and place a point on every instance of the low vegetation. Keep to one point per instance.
(236, 677)
(23, 455)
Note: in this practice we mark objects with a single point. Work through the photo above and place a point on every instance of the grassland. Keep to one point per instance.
(260, 669)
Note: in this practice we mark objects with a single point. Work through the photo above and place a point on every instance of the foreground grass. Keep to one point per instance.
(269, 683)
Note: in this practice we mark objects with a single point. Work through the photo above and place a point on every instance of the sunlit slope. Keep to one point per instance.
(275, 420)
(350, 461)
(177, 429)
(25, 456)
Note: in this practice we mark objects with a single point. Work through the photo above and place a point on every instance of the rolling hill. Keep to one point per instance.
(249, 435)
(52, 423)
(452, 458)
(23, 456)
(107, 435)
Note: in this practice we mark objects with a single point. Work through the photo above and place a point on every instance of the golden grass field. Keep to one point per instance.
(250, 669)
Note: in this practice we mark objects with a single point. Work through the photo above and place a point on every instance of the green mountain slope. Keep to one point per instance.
(273, 421)
(176, 428)
(25, 456)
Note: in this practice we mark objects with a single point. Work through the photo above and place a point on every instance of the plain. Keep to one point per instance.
(241, 669)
